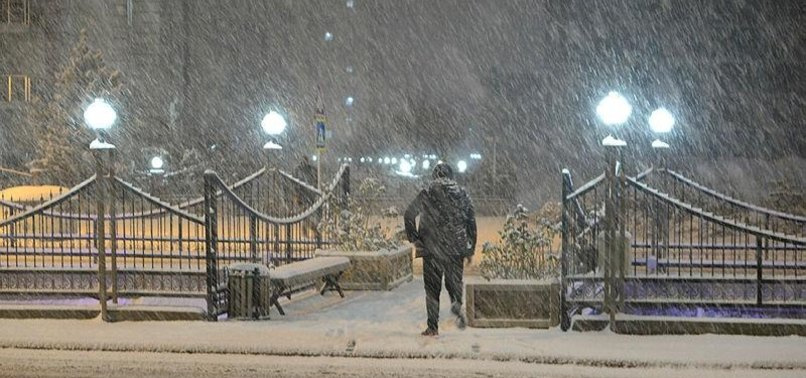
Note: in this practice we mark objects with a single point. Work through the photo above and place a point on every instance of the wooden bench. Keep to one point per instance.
(288, 278)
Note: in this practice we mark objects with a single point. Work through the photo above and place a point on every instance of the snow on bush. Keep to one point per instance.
(353, 229)
(527, 249)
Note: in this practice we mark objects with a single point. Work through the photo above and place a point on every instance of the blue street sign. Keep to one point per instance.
(320, 135)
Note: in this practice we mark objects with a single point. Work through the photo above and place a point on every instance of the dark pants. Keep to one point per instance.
(433, 271)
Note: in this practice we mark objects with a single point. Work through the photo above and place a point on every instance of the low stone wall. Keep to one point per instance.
(672, 325)
(512, 303)
(378, 270)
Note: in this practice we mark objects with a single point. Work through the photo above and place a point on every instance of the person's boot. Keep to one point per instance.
(430, 332)
(461, 319)
(456, 307)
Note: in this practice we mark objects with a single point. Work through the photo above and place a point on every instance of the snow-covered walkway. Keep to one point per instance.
(387, 325)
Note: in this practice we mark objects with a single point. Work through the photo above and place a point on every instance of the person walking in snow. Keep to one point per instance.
(445, 237)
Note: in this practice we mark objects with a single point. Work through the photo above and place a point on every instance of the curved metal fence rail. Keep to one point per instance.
(680, 186)
(50, 247)
(255, 189)
(237, 231)
(155, 249)
(107, 233)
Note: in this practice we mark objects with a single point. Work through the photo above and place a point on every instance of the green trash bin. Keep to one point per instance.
(249, 291)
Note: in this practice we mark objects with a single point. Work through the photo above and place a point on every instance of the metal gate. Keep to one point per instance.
(107, 239)
(238, 232)
(628, 247)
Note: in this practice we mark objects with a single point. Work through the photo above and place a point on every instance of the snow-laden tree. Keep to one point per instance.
(55, 118)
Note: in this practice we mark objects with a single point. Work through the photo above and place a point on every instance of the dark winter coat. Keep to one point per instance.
(447, 228)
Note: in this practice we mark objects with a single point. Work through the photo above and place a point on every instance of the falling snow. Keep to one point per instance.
(518, 96)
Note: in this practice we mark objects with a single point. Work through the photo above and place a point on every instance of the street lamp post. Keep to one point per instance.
(614, 110)
(100, 116)
(661, 121)
(156, 170)
(273, 125)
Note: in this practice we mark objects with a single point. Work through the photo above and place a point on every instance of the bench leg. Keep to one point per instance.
(273, 300)
(331, 283)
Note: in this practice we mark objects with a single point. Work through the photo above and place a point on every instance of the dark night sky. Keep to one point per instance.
(528, 72)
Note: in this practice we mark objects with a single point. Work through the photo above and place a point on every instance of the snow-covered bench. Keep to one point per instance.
(288, 278)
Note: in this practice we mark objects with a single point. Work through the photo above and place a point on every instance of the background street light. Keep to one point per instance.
(157, 165)
(405, 166)
(426, 164)
(461, 166)
(157, 162)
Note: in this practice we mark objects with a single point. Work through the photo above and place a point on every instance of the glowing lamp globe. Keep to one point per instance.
(157, 162)
(661, 121)
(100, 115)
(273, 123)
(614, 109)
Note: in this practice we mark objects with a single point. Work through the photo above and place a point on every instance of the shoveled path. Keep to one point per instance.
(384, 327)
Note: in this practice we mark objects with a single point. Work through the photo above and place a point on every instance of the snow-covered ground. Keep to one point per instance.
(66, 364)
(383, 325)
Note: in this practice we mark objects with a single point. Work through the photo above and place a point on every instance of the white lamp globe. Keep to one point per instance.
(614, 109)
(157, 162)
(100, 115)
(661, 121)
(462, 166)
(273, 123)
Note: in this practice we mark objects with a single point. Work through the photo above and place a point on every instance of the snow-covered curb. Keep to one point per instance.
(596, 349)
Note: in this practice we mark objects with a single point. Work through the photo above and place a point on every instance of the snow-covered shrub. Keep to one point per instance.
(353, 229)
(527, 249)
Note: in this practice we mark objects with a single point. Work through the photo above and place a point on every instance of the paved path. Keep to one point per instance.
(386, 325)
